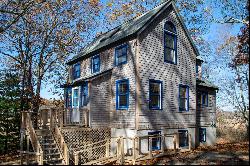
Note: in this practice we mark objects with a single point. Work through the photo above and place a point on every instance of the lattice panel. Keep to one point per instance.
(78, 138)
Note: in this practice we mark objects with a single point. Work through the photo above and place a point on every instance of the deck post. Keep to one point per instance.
(189, 142)
(122, 150)
(21, 144)
(76, 157)
(28, 148)
(177, 140)
(150, 147)
(174, 142)
(118, 148)
(134, 150)
(162, 144)
(107, 148)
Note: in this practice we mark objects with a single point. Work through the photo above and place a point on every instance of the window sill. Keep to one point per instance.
(169, 62)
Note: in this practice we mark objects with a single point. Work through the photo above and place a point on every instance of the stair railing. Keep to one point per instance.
(63, 148)
(27, 124)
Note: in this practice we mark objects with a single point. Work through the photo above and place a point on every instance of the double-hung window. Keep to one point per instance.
(204, 99)
(75, 97)
(84, 94)
(122, 94)
(121, 54)
(155, 94)
(170, 43)
(76, 70)
(95, 64)
(183, 98)
(202, 135)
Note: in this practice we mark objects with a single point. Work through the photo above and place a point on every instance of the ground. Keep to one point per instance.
(223, 153)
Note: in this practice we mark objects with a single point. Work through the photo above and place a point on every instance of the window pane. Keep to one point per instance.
(155, 88)
(122, 100)
(75, 99)
(84, 94)
(183, 138)
(123, 88)
(119, 52)
(170, 27)
(170, 55)
(183, 103)
(155, 101)
(124, 50)
(122, 59)
(183, 92)
(169, 41)
(204, 99)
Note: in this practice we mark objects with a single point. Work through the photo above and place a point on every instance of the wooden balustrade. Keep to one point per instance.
(68, 118)
(27, 125)
(58, 136)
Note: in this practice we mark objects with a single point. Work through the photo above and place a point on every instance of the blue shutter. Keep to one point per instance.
(84, 94)
(69, 101)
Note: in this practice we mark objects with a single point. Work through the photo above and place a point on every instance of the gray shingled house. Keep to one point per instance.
(142, 78)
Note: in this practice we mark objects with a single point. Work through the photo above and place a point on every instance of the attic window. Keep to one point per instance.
(170, 43)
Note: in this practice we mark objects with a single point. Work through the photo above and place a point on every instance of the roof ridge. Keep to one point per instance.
(125, 22)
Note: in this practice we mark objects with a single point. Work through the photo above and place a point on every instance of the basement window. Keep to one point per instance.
(202, 134)
(156, 141)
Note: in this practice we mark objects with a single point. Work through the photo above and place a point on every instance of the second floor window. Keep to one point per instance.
(95, 64)
(204, 99)
(122, 94)
(76, 70)
(170, 43)
(121, 54)
(183, 98)
(155, 94)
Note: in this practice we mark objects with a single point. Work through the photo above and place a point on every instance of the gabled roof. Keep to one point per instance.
(130, 28)
(206, 83)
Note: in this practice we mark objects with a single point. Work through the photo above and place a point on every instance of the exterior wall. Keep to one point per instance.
(124, 118)
(102, 89)
(100, 98)
(206, 116)
(151, 65)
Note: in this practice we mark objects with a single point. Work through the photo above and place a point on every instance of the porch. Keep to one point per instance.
(73, 117)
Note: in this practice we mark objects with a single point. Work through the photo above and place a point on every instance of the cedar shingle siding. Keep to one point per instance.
(145, 61)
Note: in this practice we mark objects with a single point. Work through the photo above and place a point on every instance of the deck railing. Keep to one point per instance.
(75, 116)
(102, 150)
(54, 126)
(32, 137)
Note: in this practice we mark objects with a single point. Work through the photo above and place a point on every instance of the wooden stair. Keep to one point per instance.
(51, 153)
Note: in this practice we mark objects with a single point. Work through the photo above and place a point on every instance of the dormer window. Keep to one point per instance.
(95, 64)
(170, 43)
(76, 70)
